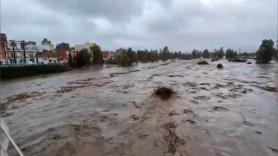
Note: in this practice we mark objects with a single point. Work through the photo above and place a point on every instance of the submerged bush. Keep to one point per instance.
(203, 62)
(219, 66)
(163, 92)
(237, 60)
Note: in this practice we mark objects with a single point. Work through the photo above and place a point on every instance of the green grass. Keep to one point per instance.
(12, 72)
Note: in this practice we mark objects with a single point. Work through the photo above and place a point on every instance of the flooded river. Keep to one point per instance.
(112, 111)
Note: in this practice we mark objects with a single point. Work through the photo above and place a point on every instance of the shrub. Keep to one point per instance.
(97, 55)
(219, 66)
(125, 57)
(230, 53)
(265, 52)
(12, 72)
(203, 62)
(163, 92)
(237, 60)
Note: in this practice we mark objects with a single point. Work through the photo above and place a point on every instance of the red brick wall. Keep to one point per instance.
(4, 54)
(62, 55)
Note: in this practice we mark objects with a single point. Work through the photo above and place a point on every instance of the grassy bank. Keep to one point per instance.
(12, 72)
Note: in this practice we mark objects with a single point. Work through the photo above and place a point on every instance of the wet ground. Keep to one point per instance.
(112, 111)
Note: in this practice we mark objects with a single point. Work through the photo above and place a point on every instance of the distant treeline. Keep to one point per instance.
(126, 57)
(11, 72)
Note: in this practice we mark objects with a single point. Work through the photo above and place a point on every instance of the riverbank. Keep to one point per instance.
(13, 72)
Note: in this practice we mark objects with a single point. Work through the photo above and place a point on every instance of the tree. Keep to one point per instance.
(265, 52)
(13, 44)
(220, 53)
(123, 57)
(230, 54)
(164, 55)
(22, 43)
(83, 58)
(97, 55)
(131, 55)
(206, 54)
(276, 51)
(196, 54)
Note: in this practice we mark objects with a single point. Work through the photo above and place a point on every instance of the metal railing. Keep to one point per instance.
(5, 138)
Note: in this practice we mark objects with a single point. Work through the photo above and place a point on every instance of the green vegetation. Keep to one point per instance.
(196, 54)
(231, 54)
(220, 53)
(276, 51)
(265, 52)
(12, 72)
(83, 58)
(206, 54)
(125, 57)
(203, 62)
(147, 56)
(237, 60)
(97, 55)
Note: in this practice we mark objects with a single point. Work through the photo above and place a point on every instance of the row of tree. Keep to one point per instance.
(127, 57)
(86, 57)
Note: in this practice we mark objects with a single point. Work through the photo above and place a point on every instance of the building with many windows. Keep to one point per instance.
(46, 45)
(63, 50)
(22, 52)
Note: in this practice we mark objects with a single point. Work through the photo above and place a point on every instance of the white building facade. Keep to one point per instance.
(22, 52)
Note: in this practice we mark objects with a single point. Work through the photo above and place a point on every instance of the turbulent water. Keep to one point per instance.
(112, 110)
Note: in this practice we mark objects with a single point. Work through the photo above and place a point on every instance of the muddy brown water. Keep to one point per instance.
(112, 111)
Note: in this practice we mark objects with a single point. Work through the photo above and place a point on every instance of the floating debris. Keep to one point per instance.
(219, 108)
(171, 138)
(134, 117)
(191, 121)
(247, 123)
(258, 132)
(136, 105)
(175, 76)
(201, 98)
(173, 113)
(273, 149)
(164, 92)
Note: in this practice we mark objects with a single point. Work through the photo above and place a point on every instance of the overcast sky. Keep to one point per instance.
(180, 24)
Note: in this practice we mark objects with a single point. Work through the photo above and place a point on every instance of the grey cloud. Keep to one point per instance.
(112, 9)
(182, 25)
